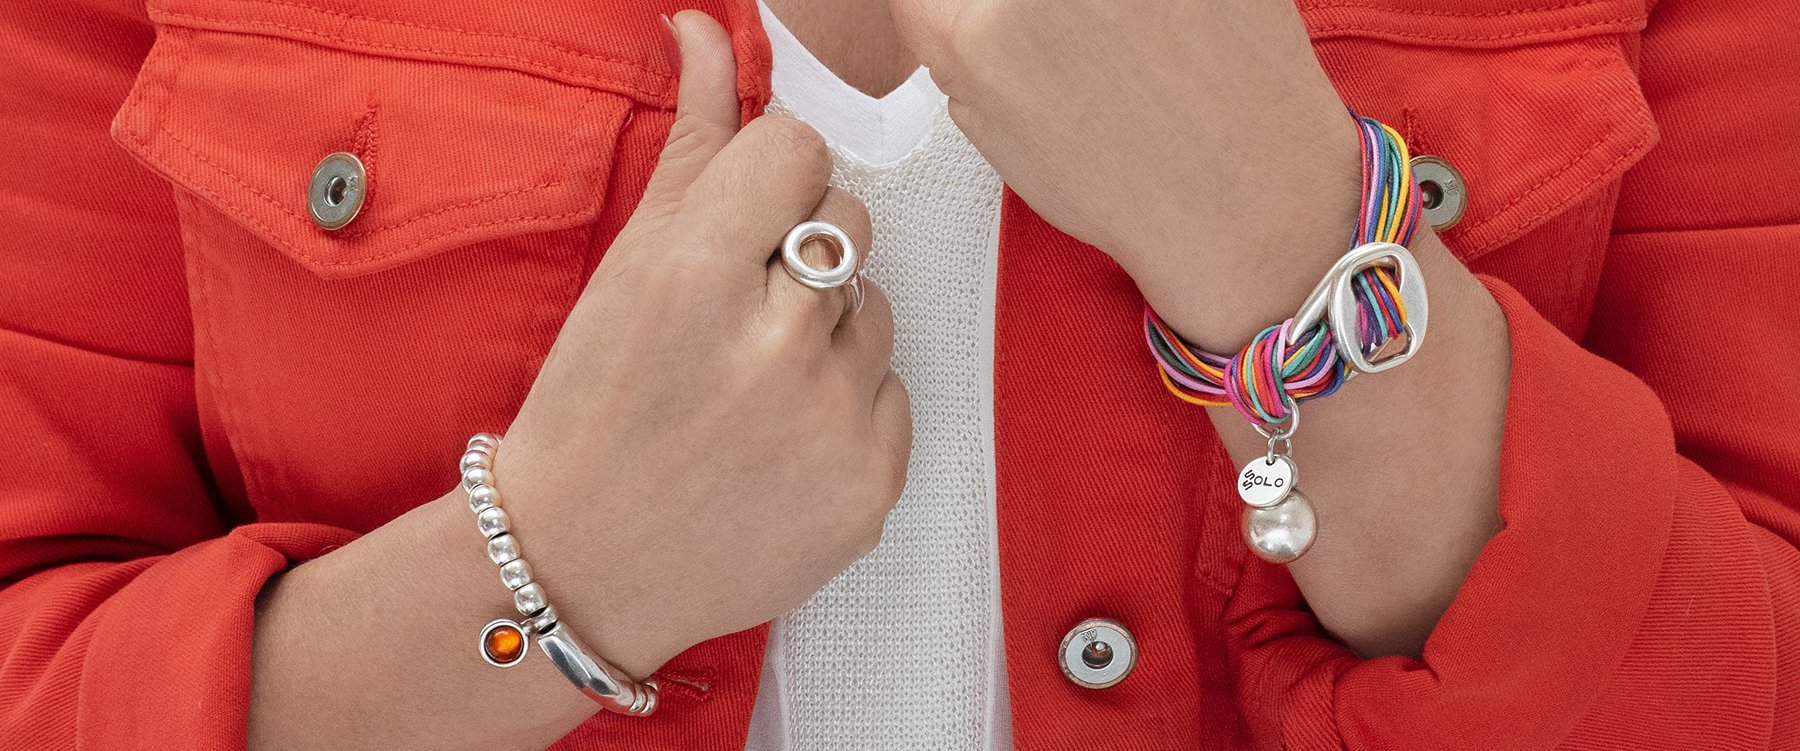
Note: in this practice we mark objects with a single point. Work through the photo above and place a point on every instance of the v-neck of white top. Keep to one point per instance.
(877, 131)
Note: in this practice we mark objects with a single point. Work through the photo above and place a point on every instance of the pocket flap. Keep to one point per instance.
(1535, 125)
(455, 154)
(1471, 23)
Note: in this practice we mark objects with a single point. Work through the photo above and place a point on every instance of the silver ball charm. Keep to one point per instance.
(1283, 532)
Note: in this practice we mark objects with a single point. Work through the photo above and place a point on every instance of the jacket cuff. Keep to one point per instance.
(181, 629)
(1551, 604)
(1554, 600)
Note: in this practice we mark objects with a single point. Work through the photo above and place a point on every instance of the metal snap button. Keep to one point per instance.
(337, 190)
(1442, 193)
(1098, 653)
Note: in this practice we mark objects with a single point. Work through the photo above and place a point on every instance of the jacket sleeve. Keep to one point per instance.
(125, 595)
(1645, 590)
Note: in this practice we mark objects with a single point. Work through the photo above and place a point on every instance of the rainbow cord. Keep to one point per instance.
(1265, 379)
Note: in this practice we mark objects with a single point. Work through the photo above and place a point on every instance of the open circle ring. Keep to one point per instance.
(849, 260)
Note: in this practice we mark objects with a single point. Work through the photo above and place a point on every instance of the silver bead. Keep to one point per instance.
(492, 522)
(541, 622)
(515, 574)
(1283, 532)
(483, 497)
(529, 599)
(484, 439)
(473, 478)
(475, 459)
(503, 550)
(648, 693)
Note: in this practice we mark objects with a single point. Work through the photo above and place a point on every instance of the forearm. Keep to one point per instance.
(374, 646)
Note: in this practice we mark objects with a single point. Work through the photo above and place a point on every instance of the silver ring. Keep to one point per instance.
(849, 260)
(1284, 430)
(856, 295)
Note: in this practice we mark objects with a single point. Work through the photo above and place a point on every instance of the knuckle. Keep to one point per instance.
(860, 526)
(895, 477)
(902, 415)
(875, 514)
(980, 25)
(963, 43)
(870, 542)
(793, 139)
(897, 428)
(691, 135)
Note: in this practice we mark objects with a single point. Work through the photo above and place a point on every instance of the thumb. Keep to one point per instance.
(706, 107)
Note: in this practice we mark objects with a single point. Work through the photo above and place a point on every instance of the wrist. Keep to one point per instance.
(1237, 260)
(449, 526)
(384, 629)
(616, 619)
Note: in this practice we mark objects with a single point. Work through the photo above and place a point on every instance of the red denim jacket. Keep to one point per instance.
(199, 388)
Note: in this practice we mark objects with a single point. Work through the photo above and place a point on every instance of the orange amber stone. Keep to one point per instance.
(504, 644)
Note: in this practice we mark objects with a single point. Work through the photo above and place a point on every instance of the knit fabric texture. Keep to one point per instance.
(902, 650)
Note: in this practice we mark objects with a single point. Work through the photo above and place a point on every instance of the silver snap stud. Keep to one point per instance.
(1442, 193)
(337, 190)
(1098, 653)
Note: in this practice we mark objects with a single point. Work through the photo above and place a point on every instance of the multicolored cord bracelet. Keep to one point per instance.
(1366, 315)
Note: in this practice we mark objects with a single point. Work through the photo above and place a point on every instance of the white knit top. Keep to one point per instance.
(904, 650)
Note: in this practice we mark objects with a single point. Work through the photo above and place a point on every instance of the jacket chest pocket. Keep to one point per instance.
(339, 367)
(1536, 104)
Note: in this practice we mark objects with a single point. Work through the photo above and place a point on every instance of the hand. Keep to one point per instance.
(1196, 143)
(709, 441)
(1202, 146)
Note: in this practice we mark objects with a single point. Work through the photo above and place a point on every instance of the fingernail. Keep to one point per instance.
(673, 52)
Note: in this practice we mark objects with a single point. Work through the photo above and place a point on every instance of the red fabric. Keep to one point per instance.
(200, 389)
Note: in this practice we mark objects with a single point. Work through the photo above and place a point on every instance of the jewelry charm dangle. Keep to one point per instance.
(1278, 521)
(1283, 532)
(504, 643)
(1266, 481)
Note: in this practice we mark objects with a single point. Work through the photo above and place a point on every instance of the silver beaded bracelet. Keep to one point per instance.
(504, 642)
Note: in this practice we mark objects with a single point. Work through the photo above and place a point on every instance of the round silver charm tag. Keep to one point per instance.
(1266, 481)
